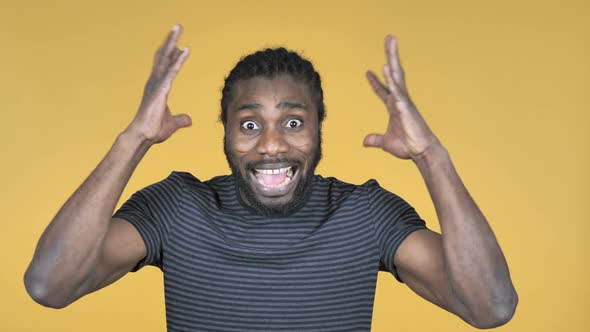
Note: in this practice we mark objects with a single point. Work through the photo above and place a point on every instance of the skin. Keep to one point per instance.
(83, 249)
(272, 123)
(461, 270)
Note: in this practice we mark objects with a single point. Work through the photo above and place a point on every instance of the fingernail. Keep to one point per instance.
(175, 27)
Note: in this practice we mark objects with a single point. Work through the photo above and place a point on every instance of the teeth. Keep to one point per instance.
(275, 171)
(287, 170)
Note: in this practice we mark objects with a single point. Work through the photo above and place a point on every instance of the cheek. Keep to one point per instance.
(305, 143)
(240, 150)
(238, 145)
(242, 147)
(303, 146)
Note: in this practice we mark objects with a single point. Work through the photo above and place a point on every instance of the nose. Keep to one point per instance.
(272, 143)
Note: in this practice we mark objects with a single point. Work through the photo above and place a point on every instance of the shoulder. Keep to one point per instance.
(183, 179)
(388, 209)
(218, 186)
(171, 188)
(187, 181)
(220, 182)
(333, 187)
(172, 184)
(332, 183)
(379, 196)
(338, 190)
(372, 186)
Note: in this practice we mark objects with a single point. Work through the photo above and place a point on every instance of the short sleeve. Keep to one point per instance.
(152, 211)
(394, 219)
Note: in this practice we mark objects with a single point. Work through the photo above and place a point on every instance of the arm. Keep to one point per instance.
(82, 249)
(463, 269)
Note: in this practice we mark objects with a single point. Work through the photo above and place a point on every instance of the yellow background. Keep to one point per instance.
(504, 84)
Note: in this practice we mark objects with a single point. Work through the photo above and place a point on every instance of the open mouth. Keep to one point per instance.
(274, 179)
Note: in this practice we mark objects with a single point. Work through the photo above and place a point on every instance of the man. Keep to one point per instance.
(274, 246)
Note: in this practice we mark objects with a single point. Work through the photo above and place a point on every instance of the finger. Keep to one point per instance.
(380, 89)
(391, 84)
(182, 120)
(393, 106)
(392, 53)
(162, 47)
(374, 140)
(175, 68)
(175, 54)
(163, 56)
(171, 42)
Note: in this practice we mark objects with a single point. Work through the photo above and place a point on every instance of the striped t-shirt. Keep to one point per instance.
(228, 269)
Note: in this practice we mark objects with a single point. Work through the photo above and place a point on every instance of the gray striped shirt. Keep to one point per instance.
(228, 269)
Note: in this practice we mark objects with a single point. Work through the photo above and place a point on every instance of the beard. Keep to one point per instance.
(300, 192)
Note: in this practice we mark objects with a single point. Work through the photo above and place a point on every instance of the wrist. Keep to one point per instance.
(133, 142)
(135, 137)
(433, 156)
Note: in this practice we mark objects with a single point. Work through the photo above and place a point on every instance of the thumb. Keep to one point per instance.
(373, 140)
(182, 120)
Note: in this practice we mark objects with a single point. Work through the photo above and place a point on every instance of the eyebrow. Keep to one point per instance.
(285, 105)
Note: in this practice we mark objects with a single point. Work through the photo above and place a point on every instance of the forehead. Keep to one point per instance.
(282, 88)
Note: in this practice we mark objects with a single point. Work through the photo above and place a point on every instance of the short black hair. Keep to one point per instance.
(269, 63)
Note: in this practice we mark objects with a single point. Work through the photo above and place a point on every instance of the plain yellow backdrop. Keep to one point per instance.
(504, 84)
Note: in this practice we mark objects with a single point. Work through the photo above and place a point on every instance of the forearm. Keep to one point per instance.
(70, 246)
(474, 262)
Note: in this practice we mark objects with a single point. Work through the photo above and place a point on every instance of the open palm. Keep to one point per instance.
(407, 135)
(154, 121)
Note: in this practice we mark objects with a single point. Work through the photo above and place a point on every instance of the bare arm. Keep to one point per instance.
(463, 270)
(82, 249)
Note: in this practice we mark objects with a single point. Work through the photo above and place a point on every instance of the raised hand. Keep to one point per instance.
(407, 135)
(154, 121)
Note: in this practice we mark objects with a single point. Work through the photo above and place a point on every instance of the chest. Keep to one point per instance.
(238, 273)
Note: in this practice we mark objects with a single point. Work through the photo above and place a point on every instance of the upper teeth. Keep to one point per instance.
(274, 171)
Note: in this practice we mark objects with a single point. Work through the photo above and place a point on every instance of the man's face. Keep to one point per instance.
(272, 142)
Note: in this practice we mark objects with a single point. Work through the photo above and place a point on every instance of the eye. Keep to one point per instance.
(249, 125)
(294, 123)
